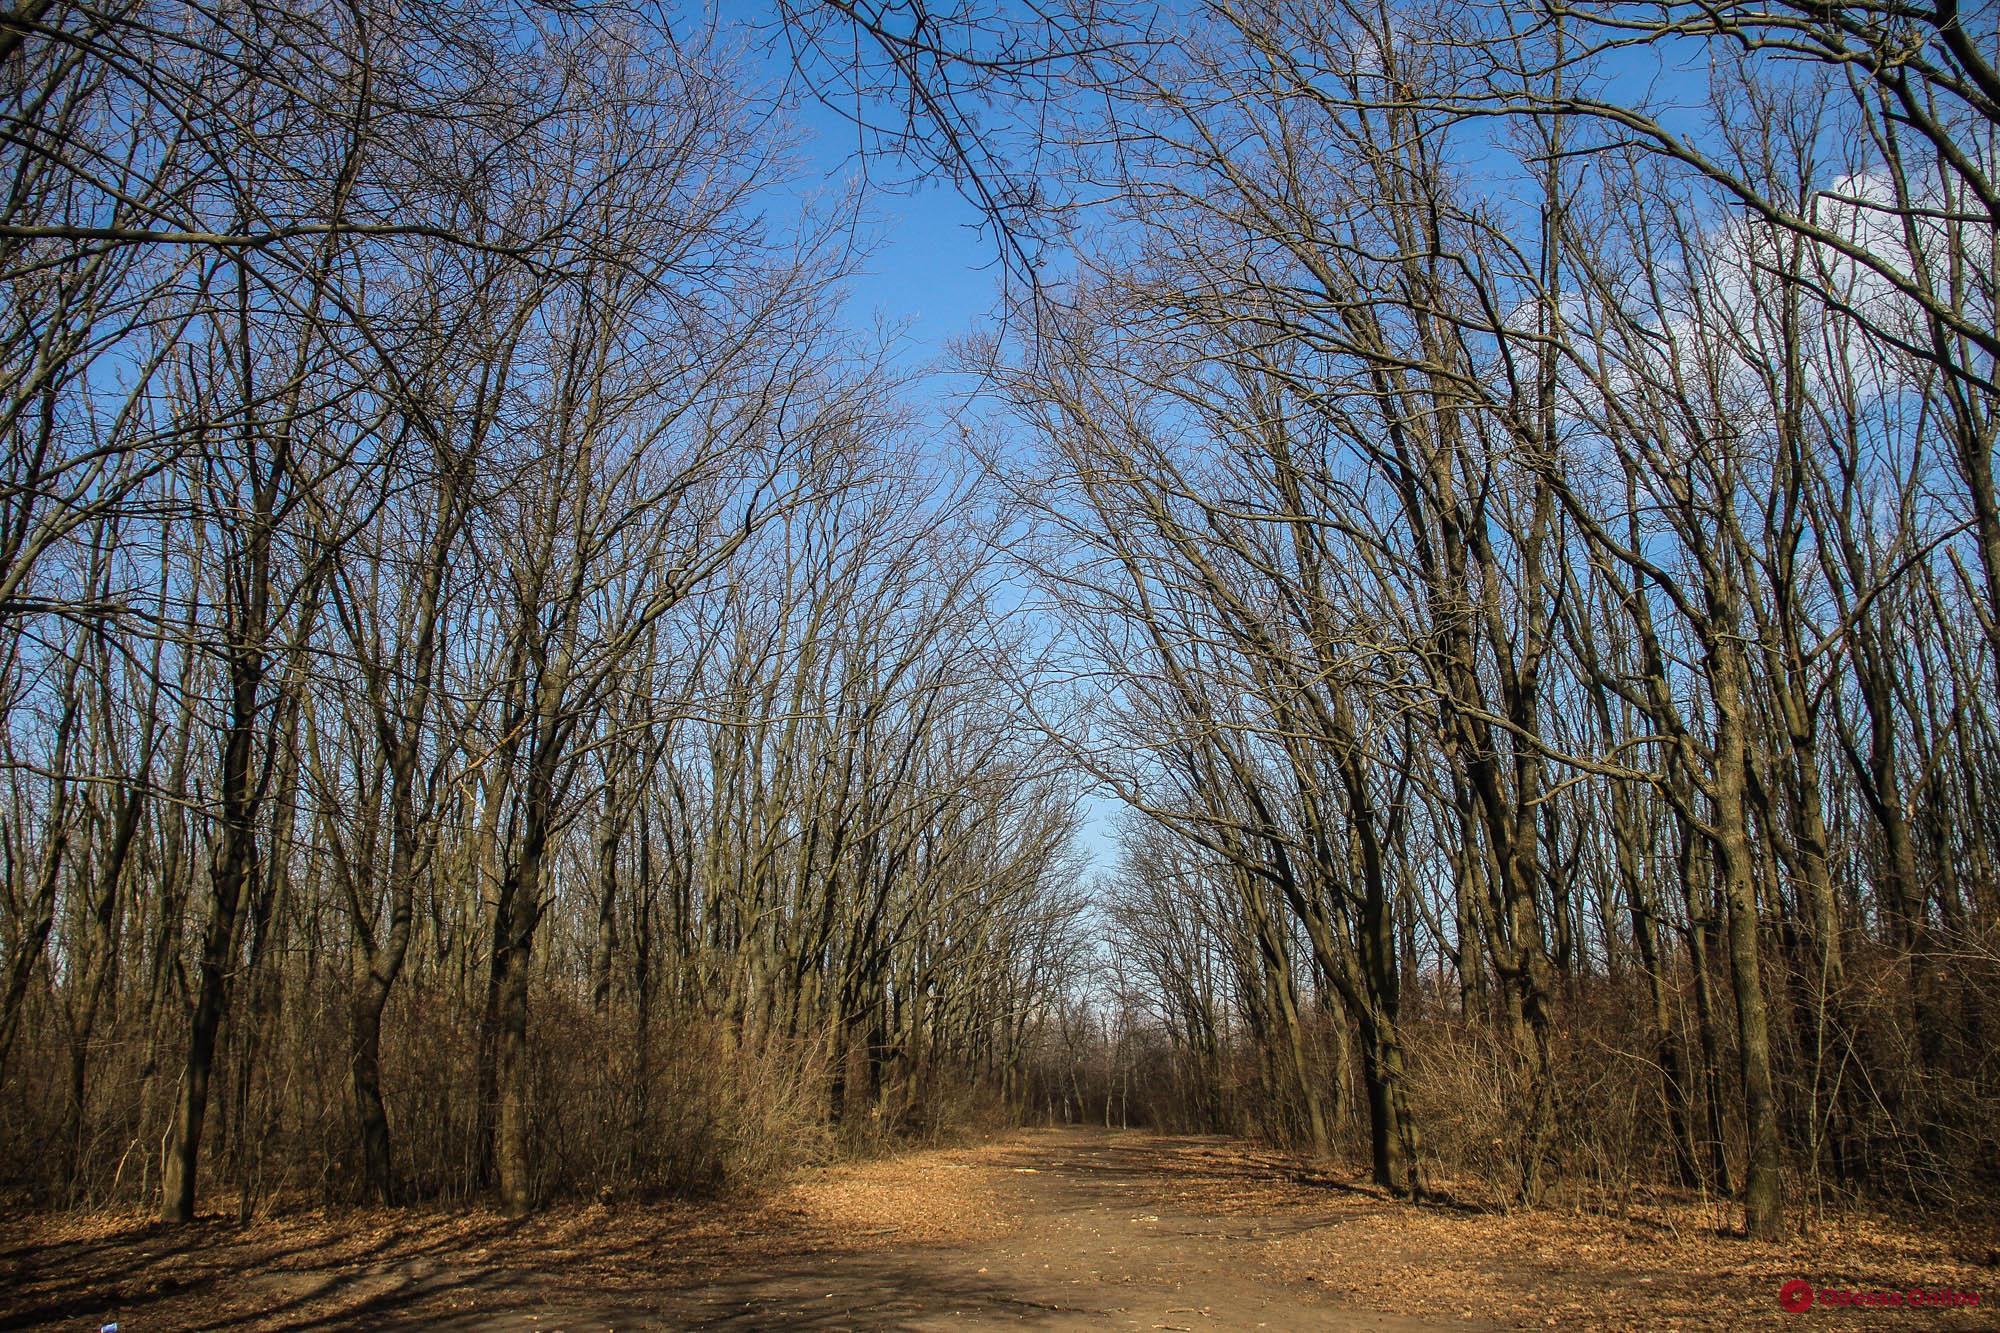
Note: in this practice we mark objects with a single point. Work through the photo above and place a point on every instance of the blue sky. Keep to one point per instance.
(932, 271)
(929, 267)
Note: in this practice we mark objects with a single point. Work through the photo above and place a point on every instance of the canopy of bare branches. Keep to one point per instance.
(506, 694)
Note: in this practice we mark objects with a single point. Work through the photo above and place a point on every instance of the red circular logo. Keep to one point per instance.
(1796, 1296)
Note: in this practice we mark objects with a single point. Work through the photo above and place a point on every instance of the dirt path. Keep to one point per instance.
(1101, 1232)
(1047, 1229)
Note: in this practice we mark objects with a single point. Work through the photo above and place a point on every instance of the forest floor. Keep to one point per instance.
(1073, 1228)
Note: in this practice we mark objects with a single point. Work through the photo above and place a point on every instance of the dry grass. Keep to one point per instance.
(947, 1196)
(1664, 1267)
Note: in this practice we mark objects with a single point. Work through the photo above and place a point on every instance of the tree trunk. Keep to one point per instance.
(230, 871)
(370, 998)
(1763, 1185)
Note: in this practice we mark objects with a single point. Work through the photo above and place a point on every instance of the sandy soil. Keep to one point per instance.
(1051, 1229)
